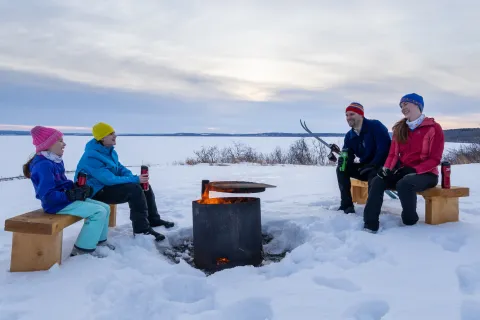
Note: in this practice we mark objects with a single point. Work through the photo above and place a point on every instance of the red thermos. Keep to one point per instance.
(446, 175)
(144, 170)
(81, 179)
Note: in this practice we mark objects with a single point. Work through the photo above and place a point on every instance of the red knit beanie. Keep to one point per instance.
(355, 107)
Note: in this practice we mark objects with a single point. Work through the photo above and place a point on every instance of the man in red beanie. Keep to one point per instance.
(369, 141)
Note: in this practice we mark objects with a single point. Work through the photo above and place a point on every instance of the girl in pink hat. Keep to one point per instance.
(58, 195)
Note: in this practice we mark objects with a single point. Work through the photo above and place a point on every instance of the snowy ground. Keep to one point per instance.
(334, 271)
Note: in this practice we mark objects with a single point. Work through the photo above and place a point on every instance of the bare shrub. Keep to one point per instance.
(277, 156)
(465, 154)
(208, 155)
(244, 153)
(321, 152)
(299, 152)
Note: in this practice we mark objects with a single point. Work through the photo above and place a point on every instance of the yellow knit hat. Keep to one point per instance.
(101, 130)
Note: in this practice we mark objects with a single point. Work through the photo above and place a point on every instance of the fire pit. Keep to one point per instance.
(227, 232)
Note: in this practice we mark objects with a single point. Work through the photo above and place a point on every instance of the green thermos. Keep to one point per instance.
(344, 157)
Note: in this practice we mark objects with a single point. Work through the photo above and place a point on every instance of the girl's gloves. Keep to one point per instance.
(79, 193)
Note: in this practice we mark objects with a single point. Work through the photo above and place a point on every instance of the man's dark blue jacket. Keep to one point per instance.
(372, 145)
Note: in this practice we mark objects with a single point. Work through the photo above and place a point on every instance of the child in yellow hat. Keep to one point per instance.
(113, 183)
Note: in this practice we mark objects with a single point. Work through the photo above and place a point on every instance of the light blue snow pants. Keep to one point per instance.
(95, 227)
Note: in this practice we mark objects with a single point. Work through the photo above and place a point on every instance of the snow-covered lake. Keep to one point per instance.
(335, 270)
(150, 150)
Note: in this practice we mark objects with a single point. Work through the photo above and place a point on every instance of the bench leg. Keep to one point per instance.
(112, 222)
(35, 252)
(441, 210)
(359, 194)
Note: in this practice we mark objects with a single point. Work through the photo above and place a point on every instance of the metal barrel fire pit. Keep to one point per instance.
(227, 232)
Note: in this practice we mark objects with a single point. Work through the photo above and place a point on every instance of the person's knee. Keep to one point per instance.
(134, 187)
(403, 184)
(377, 182)
(100, 213)
(106, 207)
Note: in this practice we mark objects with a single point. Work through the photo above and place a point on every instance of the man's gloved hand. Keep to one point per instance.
(340, 162)
(366, 169)
(384, 173)
(335, 148)
(332, 157)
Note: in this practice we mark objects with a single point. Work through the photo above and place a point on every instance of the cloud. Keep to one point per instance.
(28, 127)
(242, 51)
(224, 64)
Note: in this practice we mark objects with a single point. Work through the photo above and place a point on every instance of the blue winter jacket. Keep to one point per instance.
(50, 183)
(373, 143)
(102, 167)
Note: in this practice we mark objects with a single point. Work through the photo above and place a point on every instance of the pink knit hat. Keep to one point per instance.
(44, 138)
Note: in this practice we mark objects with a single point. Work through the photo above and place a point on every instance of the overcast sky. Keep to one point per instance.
(235, 66)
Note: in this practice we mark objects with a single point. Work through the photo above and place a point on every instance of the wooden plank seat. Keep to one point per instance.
(441, 205)
(37, 238)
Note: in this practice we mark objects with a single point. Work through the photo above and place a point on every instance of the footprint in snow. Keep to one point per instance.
(337, 283)
(368, 310)
(248, 309)
(469, 278)
(452, 242)
(187, 289)
(362, 253)
(470, 310)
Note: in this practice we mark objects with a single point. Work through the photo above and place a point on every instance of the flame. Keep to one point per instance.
(207, 200)
(222, 261)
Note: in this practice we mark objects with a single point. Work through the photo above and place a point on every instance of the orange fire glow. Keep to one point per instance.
(207, 200)
(222, 261)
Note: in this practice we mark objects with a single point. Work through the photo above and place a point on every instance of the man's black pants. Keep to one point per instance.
(407, 187)
(143, 208)
(343, 177)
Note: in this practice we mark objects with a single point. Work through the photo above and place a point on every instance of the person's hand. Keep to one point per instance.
(87, 190)
(144, 178)
(384, 173)
(76, 194)
(335, 148)
(340, 162)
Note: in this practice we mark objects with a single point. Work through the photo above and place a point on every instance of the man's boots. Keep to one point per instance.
(150, 231)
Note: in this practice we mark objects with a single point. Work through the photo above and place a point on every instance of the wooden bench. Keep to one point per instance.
(441, 205)
(37, 238)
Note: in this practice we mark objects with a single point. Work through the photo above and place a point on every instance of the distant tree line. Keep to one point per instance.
(471, 135)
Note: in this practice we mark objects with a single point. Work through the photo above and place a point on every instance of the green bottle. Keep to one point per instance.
(344, 157)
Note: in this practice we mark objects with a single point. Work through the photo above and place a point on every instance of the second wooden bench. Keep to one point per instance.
(441, 205)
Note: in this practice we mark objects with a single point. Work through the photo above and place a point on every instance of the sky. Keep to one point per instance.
(247, 66)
